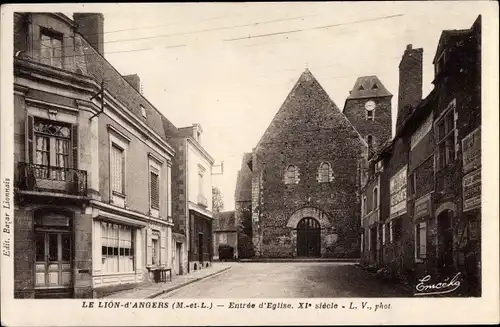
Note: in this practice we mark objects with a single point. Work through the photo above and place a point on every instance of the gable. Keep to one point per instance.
(307, 111)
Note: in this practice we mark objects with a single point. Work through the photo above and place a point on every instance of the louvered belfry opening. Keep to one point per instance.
(308, 238)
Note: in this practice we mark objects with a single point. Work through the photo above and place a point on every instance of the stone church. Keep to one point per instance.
(306, 170)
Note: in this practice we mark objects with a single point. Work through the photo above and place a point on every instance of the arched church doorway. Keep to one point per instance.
(308, 238)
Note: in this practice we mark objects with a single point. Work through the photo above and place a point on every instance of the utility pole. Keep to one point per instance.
(101, 92)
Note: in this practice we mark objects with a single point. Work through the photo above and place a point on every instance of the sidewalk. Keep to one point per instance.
(152, 290)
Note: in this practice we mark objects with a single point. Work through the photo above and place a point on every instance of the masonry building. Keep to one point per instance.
(93, 200)
(430, 173)
(305, 170)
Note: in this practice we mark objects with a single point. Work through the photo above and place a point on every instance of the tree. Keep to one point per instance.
(217, 202)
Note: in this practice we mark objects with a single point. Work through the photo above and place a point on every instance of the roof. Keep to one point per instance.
(225, 221)
(368, 87)
(243, 191)
(99, 68)
(308, 89)
(450, 36)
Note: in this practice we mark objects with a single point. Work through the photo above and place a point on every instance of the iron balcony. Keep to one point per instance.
(51, 179)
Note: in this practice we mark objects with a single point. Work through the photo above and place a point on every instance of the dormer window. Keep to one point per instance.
(143, 111)
(51, 48)
(375, 86)
(361, 88)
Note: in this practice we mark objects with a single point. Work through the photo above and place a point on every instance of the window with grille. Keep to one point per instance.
(117, 169)
(155, 191)
(445, 130)
(117, 248)
(421, 241)
(51, 49)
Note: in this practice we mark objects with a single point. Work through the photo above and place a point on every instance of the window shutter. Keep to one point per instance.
(163, 247)
(383, 234)
(423, 240)
(149, 250)
(74, 144)
(29, 139)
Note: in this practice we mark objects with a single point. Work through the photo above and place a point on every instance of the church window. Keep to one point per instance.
(291, 175)
(325, 173)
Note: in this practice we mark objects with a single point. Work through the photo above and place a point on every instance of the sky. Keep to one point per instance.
(230, 66)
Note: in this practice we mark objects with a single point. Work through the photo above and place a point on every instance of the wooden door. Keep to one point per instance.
(308, 238)
(53, 260)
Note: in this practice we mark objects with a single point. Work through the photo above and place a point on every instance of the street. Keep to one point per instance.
(290, 280)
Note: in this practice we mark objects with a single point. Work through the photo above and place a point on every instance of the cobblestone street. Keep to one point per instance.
(291, 280)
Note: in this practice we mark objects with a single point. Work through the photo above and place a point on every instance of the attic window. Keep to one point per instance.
(143, 111)
(361, 88)
(375, 86)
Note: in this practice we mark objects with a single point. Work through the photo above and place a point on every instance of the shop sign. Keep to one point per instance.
(471, 150)
(423, 206)
(398, 193)
(471, 190)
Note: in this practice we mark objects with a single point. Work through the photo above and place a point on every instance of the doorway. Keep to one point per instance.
(445, 241)
(308, 238)
(178, 259)
(200, 247)
(53, 273)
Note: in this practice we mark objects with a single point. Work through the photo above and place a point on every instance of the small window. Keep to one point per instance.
(361, 88)
(143, 111)
(291, 175)
(375, 86)
(369, 115)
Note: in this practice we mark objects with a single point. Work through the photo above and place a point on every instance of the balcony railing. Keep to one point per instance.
(40, 178)
(202, 201)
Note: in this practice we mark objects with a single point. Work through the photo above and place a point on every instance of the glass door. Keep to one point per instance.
(52, 259)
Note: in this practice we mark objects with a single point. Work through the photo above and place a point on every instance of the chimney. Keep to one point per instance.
(410, 83)
(135, 81)
(91, 26)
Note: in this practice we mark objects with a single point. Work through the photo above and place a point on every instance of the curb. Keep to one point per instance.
(354, 261)
(173, 288)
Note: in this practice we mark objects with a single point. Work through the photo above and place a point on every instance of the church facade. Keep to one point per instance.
(307, 166)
